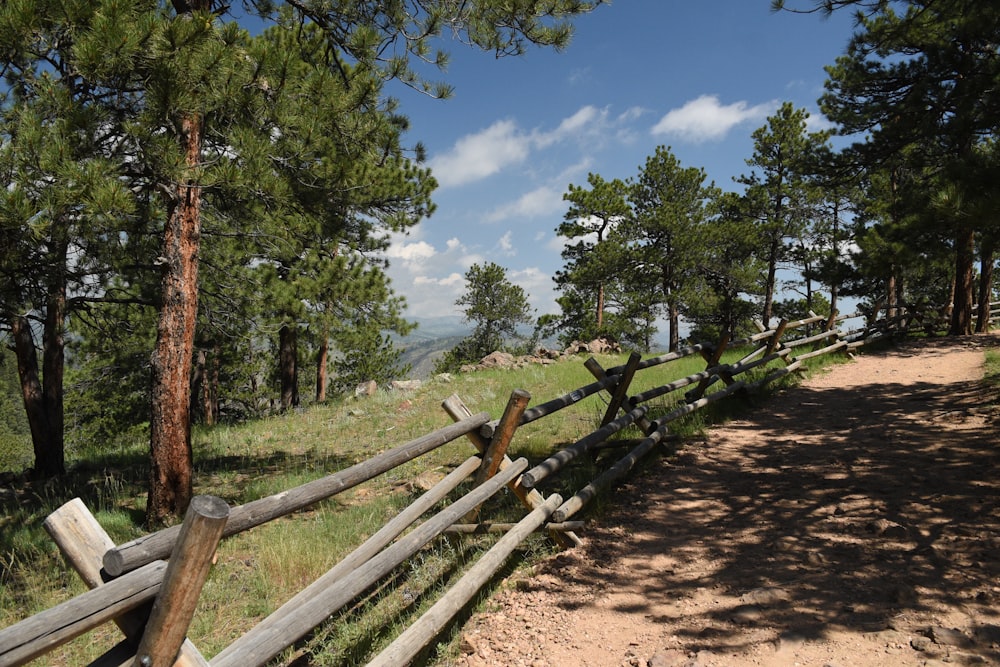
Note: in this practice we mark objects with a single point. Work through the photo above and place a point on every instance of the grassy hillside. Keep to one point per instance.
(258, 570)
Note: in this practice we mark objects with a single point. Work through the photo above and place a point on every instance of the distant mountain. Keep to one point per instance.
(430, 328)
(432, 338)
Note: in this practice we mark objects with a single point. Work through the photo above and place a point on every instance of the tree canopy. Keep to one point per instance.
(161, 155)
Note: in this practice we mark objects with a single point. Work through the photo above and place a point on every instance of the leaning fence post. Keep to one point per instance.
(504, 433)
(595, 369)
(712, 360)
(83, 542)
(621, 390)
(186, 573)
(772, 344)
(531, 499)
(496, 450)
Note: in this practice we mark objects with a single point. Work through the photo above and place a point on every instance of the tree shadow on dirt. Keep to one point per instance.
(868, 509)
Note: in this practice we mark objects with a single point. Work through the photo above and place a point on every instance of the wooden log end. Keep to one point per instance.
(210, 507)
(114, 563)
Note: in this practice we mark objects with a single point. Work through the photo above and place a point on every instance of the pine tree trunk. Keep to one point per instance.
(31, 385)
(675, 321)
(198, 381)
(772, 273)
(322, 358)
(890, 294)
(53, 366)
(288, 366)
(985, 284)
(600, 307)
(211, 397)
(42, 394)
(171, 482)
(965, 249)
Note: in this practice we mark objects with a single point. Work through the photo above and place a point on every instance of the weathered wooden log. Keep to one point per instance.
(266, 640)
(664, 358)
(558, 460)
(412, 640)
(566, 400)
(826, 350)
(484, 528)
(530, 498)
(186, 574)
(688, 408)
(39, 634)
(608, 477)
(713, 364)
(620, 394)
(369, 549)
(774, 375)
(662, 390)
(775, 340)
(798, 342)
(615, 444)
(80, 539)
(737, 368)
(83, 542)
(158, 545)
(813, 319)
(594, 368)
(497, 449)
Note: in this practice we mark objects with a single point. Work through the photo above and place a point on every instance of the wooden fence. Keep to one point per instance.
(150, 586)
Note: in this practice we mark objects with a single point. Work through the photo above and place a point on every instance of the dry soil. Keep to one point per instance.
(853, 521)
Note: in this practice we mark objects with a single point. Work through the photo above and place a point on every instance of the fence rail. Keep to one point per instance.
(155, 635)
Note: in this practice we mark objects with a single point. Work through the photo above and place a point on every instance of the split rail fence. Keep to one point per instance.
(150, 586)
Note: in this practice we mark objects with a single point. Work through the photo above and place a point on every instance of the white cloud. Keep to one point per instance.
(706, 119)
(504, 144)
(817, 122)
(466, 261)
(411, 252)
(506, 246)
(539, 287)
(476, 156)
(539, 202)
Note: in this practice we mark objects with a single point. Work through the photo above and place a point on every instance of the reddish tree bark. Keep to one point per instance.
(171, 482)
(322, 358)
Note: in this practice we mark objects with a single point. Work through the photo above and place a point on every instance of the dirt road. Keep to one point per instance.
(854, 522)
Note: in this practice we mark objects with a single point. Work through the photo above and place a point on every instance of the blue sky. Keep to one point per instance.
(698, 76)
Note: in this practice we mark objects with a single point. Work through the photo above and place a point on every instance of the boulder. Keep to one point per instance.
(405, 385)
(366, 388)
(498, 360)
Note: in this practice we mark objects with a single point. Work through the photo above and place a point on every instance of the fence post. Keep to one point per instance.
(186, 573)
(775, 340)
(712, 360)
(502, 436)
(83, 542)
(599, 373)
(531, 499)
(496, 450)
(621, 391)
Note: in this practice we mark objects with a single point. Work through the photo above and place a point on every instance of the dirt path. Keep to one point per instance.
(855, 522)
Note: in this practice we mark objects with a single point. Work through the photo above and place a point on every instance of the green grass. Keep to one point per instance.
(991, 370)
(259, 570)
